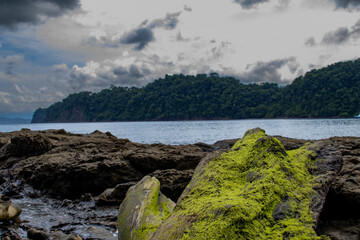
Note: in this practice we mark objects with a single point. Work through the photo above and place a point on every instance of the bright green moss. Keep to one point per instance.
(158, 210)
(256, 191)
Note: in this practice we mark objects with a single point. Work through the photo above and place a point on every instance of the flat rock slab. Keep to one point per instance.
(67, 165)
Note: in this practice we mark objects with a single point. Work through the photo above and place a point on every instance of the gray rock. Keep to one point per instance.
(9, 211)
(98, 233)
(25, 145)
(143, 209)
(340, 218)
(66, 165)
(114, 196)
(173, 182)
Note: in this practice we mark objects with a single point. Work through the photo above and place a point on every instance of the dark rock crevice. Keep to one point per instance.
(340, 218)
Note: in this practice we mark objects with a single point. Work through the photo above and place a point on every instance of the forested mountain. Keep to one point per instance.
(333, 91)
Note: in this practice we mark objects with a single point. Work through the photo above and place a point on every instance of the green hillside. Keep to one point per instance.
(333, 91)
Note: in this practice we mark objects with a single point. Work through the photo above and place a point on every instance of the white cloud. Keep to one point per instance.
(19, 98)
(279, 38)
(62, 67)
(8, 63)
(4, 97)
(12, 59)
(272, 30)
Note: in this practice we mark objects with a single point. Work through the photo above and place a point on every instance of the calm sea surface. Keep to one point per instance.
(185, 132)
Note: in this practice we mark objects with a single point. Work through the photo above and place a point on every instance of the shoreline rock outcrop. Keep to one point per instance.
(78, 181)
(66, 165)
(75, 183)
(257, 190)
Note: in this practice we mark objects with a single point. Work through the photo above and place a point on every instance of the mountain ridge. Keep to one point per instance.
(332, 91)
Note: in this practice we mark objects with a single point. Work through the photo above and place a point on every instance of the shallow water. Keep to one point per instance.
(186, 132)
(84, 219)
(81, 218)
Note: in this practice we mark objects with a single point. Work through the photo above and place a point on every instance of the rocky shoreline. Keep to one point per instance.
(73, 184)
(70, 186)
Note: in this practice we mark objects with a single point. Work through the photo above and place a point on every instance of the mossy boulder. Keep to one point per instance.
(143, 210)
(257, 190)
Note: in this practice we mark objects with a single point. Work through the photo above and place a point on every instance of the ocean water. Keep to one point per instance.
(186, 132)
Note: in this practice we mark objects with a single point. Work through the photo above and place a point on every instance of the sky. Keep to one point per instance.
(52, 48)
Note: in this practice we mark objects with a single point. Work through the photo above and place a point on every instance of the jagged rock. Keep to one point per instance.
(258, 190)
(327, 165)
(62, 176)
(224, 144)
(340, 218)
(173, 182)
(25, 145)
(160, 156)
(34, 234)
(3, 142)
(341, 229)
(12, 190)
(73, 237)
(67, 165)
(59, 235)
(105, 198)
(114, 195)
(98, 233)
(9, 211)
(11, 235)
(291, 143)
(205, 147)
(143, 209)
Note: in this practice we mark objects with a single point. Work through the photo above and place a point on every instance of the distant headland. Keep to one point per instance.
(333, 91)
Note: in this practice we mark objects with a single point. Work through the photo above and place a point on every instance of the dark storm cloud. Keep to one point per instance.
(310, 42)
(65, 4)
(169, 22)
(136, 72)
(120, 70)
(140, 36)
(144, 35)
(250, 3)
(347, 3)
(132, 72)
(94, 76)
(132, 75)
(268, 71)
(15, 12)
(342, 35)
(338, 36)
